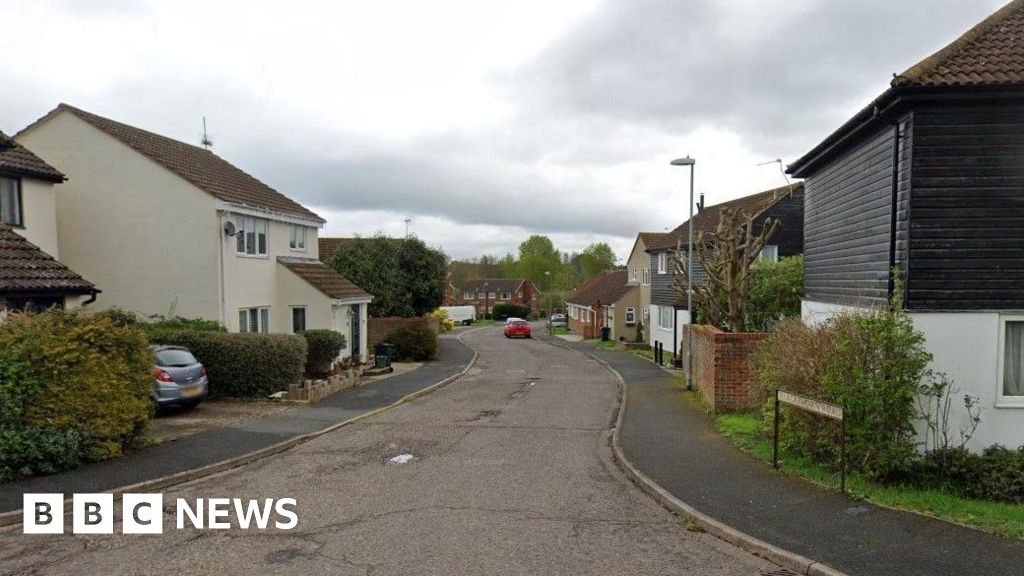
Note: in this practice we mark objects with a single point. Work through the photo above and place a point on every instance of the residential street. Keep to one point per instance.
(512, 475)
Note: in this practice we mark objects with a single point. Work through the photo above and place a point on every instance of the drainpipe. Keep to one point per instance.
(891, 285)
(92, 297)
(220, 258)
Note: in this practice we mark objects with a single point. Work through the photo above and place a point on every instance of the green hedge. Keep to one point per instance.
(73, 389)
(323, 347)
(509, 310)
(244, 365)
(414, 343)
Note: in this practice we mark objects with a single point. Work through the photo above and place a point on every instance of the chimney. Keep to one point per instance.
(700, 203)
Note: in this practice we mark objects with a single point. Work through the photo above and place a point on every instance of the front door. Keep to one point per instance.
(356, 338)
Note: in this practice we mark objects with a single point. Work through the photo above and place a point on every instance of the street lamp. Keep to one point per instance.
(689, 274)
(551, 329)
(487, 303)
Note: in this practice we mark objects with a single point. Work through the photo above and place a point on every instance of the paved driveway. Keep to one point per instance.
(511, 475)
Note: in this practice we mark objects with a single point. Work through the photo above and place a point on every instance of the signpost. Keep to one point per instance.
(820, 408)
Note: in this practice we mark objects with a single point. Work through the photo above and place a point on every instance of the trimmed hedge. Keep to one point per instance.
(507, 310)
(413, 343)
(73, 389)
(323, 347)
(244, 365)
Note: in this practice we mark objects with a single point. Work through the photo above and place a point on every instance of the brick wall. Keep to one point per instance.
(723, 370)
(379, 328)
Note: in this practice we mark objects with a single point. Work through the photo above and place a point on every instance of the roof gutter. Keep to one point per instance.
(268, 214)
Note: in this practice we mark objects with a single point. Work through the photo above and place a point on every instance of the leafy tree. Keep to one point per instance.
(509, 267)
(537, 255)
(778, 288)
(405, 276)
(596, 258)
(488, 267)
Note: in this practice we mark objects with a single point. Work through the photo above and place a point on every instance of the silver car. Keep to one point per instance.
(559, 321)
(178, 378)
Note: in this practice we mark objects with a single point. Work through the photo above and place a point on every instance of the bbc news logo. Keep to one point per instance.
(144, 513)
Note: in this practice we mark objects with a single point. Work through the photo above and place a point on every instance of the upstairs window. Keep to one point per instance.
(506, 296)
(662, 262)
(770, 253)
(647, 275)
(251, 236)
(10, 202)
(467, 295)
(632, 273)
(298, 240)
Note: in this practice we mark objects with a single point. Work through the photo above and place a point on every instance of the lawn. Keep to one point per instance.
(607, 345)
(649, 354)
(1000, 518)
(557, 330)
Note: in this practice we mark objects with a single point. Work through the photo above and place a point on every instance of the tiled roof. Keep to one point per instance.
(25, 268)
(650, 238)
(493, 284)
(201, 167)
(991, 53)
(328, 246)
(18, 160)
(707, 219)
(606, 288)
(322, 277)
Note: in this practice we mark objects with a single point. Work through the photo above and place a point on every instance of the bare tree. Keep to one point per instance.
(725, 256)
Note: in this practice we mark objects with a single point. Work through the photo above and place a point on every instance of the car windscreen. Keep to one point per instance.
(520, 323)
(174, 357)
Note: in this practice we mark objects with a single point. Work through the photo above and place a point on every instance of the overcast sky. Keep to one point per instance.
(482, 121)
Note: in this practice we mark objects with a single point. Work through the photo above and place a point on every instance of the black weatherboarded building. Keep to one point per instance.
(928, 180)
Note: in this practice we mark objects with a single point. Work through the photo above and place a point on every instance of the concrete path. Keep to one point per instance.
(512, 474)
(213, 446)
(671, 441)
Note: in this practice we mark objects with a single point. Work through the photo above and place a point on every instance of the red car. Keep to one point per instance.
(518, 329)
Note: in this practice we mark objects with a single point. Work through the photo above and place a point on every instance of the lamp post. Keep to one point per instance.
(689, 274)
(487, 303)
(551, 329)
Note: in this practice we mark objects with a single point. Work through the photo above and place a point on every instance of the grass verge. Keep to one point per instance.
(609, 345)
(557, 330)
(996, 517)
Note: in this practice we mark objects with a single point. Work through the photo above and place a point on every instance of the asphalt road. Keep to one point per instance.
(512, 474)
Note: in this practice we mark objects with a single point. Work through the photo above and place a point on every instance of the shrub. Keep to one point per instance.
(244, 365)
(73, 388)
(413, 343)
(997, 474)
(872, 365)
(157, 325)
(506, 310)
(322, 349)
(776, 293)
(446, 323)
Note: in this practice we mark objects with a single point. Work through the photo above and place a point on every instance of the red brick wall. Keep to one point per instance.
(379, 328)
(723, 370)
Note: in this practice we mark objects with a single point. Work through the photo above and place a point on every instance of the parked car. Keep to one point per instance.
(178, 378)
(518, 328)
(464, 315)
(559, 321)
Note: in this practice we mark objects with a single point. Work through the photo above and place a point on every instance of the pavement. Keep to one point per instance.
(213, 446)
(511, 472)
(673, 442)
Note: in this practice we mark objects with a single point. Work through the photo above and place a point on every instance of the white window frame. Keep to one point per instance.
(467, 295)
(244, 225)
(305, 319)
(661, 316)
(1002, 400)
(17, 211)
(297, 242)
(630, 316)
(647, 276)
(262, 319)
(662, 262)
(632, 274)
(770, 253)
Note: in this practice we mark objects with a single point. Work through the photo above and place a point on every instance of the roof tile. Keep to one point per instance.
(322, 277)
(18, 160)
(24, 267)
(607, 288)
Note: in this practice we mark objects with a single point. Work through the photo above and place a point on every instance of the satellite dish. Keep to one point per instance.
(229, 228)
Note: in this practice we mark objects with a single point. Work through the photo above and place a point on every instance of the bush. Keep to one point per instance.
(73, 388)
(872, 365)
(414, 343)
(244, 365)
(776, 292)
(158, 325)
(446, 323)
(997, 474)
(506, 310)
(322, 349)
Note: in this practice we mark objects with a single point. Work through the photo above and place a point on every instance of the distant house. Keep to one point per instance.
(668, 308)
(638, 267)
(484, 293)
(928, 180)
(608, 300)
(166, 227)
(30, 275)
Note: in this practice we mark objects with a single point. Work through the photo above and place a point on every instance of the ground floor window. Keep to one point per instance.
(1013, 358)
(630, 316)
(254, 319)
(298, 319)
(665, 314)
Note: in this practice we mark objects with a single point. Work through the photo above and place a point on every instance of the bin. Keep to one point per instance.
(606, 333)
(382, 354)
